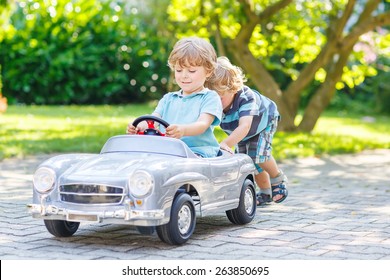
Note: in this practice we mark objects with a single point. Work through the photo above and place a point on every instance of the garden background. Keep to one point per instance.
(74, 73)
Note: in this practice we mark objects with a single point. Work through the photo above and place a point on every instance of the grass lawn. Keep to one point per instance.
(28, 130)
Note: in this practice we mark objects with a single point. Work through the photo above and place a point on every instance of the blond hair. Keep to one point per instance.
(227, 77)
(193, 51)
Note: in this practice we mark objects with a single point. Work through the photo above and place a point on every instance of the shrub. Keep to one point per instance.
(82, 52)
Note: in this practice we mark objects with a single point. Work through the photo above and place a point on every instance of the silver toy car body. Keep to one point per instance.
(147, 181)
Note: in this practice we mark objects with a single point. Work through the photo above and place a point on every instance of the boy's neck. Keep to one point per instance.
(228, 107)
(189, 93)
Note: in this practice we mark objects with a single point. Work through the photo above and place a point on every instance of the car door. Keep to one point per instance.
(224, 172)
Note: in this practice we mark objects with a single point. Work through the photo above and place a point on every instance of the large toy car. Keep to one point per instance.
(146, 181)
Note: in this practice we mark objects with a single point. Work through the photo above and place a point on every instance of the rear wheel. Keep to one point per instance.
(246, 210)
(182, 222)
(61, 228)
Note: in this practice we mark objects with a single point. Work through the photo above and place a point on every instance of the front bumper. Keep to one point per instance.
(120, 216)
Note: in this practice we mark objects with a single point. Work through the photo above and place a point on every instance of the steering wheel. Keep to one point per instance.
(150, 119)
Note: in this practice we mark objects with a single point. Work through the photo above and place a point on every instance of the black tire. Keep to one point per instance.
(146, 230)
(60, 228)
(182, 222)
(246, 210)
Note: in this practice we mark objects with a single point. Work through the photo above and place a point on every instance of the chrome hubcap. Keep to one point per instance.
(248, 201)
(184, 219)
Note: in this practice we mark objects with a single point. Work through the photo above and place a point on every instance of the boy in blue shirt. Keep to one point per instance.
(250, 120)
(194, 110)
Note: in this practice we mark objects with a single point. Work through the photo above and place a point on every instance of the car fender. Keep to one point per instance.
(192, 178)
(173, 185)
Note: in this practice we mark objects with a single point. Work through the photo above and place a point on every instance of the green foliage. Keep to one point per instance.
(83, 52)
(294, 36)
(101, 51)
(287, 43)
(371, 96)
(28, 130)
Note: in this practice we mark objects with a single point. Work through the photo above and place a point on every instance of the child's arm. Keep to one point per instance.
(179, 130)
(244, 125)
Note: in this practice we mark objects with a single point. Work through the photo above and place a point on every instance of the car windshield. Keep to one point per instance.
(147, 144)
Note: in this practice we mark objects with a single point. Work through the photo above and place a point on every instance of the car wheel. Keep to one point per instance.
(61, 228)
(182, 222)
(148, 230)
(246, 210)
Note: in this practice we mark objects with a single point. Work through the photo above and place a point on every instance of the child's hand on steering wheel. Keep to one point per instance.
(175, 131)
(131, 129)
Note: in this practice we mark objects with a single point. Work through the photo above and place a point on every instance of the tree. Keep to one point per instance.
(291, 49)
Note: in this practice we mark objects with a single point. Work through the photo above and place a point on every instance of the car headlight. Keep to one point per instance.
(141, 183)
(44, 179)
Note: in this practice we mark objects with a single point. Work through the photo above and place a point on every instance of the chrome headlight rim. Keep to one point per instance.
(44, 179)
(141, 184)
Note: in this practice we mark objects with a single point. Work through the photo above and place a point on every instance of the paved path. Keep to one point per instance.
(338, 208)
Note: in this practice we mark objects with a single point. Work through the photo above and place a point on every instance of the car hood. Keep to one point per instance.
(116, 164)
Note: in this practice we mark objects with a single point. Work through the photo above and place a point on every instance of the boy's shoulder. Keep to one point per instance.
(247, 94)
(249, 91)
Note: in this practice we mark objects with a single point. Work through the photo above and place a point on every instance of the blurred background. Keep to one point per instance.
(310, 57)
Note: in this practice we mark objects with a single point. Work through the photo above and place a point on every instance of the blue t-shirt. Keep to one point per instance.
(249, 102)
(175, 108)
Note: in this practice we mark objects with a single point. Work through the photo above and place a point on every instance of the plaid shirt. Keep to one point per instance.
(249, 102)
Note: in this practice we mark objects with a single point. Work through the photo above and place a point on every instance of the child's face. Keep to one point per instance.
(226, 98)
(190, 78)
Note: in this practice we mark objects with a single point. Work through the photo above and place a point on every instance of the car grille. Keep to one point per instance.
(91, 194)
